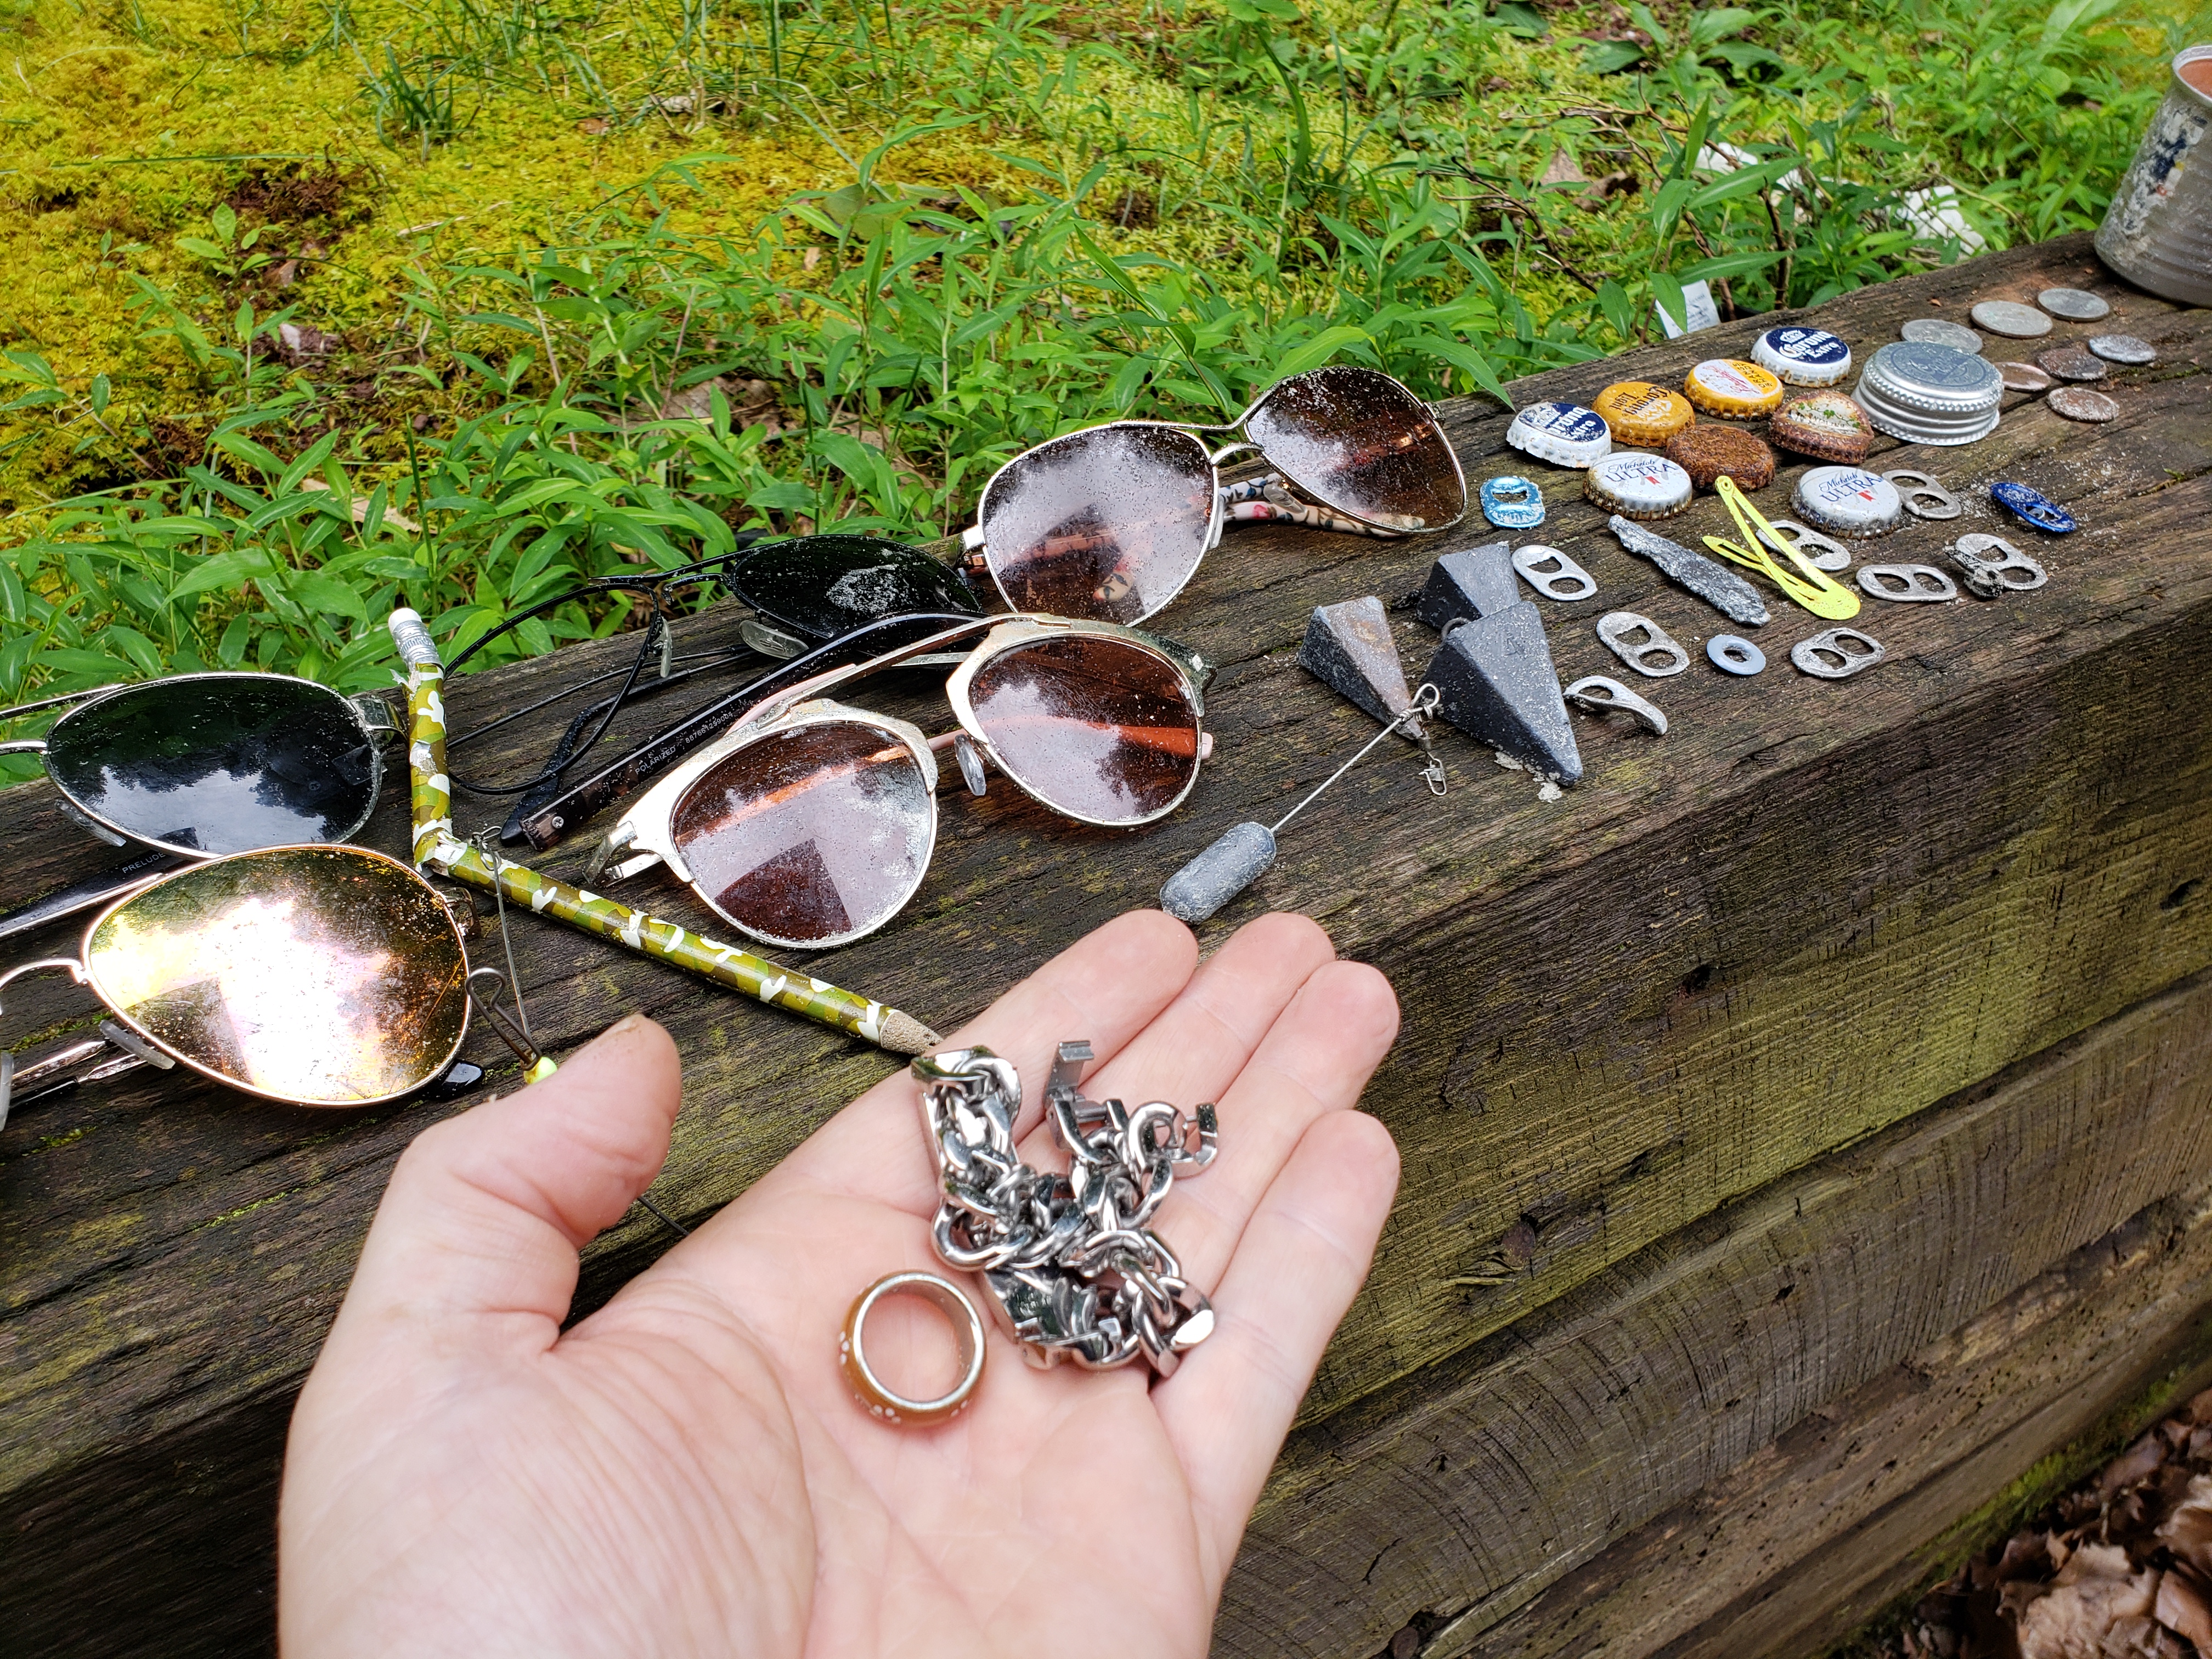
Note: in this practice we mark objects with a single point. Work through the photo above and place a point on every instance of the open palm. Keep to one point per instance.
(687, 1471)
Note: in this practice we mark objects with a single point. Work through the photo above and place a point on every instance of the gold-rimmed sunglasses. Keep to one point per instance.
(1111, 522)
(811, 822)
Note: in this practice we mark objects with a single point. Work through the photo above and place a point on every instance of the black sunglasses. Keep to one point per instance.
(201, 766)
(802, 593)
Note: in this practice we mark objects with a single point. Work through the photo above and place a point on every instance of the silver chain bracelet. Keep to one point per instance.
(1071, 1261)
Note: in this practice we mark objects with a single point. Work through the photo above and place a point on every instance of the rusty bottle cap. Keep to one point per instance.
(1707, 451)
(1829, 426)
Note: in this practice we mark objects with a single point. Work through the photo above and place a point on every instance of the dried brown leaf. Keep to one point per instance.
(2137, 1463)
(2094, 1609)
(2182, 1609)
(2188, 1531)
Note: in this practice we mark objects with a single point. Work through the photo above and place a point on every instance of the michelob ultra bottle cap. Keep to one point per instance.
(1849, 501)
(1732, 389)
(1803, 357)
(1641, 414)
(1566, 434)
(1638, 486)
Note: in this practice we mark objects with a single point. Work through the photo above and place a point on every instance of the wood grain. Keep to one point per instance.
(1451, 1501)
(1807, 912)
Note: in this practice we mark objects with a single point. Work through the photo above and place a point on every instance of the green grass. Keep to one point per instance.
(321, 306)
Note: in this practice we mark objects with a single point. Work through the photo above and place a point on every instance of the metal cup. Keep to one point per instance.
(2157, 232)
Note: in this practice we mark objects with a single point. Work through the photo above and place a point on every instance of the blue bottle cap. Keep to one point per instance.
(2042, 514)
(1566, 434)
(1803, 357)
(1512, 503)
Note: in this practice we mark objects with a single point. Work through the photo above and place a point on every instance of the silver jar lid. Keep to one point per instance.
(1932, 394)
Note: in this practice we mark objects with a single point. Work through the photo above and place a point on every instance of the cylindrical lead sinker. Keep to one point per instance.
(1240, 857)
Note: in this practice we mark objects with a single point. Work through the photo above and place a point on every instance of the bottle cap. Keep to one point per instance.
(1829, 426)
(1849, 501)
(1638, 486)
(1930, 394)
(1731, 388)
(2032, 506)
(1641, 414)
(1803, 357)
(1707, 451)
(1566, 434)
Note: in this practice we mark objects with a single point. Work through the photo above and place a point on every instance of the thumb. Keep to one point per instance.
(475, 1242)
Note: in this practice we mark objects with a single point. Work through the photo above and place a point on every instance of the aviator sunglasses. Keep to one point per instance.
(1110, 522)
(315, 976)
(197, 766)
(812, 822)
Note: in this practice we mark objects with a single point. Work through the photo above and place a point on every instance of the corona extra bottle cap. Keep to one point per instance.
(1566, 434)
(1803, 357)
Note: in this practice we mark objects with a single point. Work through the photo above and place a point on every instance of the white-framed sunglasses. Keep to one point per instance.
(811, 822)
(1110, 522)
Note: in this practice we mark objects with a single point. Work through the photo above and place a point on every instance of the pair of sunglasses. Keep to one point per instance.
(802, 593)
(197, 766)
(812, 822)
(1110, 522)
(315, 976)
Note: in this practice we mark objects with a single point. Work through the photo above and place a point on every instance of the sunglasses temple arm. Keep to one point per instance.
(93, 891)
(544, 829)
(440, 853)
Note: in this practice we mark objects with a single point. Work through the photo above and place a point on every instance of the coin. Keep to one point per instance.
(2124, 348)
(2078, 403)
(2075, 305)
(2011, 318)
(2024, 377)
(2072, 364)
(1936, 331)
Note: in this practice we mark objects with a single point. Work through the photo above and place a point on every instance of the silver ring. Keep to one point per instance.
(885, 1402)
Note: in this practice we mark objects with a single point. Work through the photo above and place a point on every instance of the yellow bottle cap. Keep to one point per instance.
(1732, 388)
(1641, 414)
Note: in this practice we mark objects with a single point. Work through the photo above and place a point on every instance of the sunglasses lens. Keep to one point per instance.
(820, 586)
(1361, 443)
(220, 764)
(810, 837)
(1106, 524)
(325, 976)
(1095, 728)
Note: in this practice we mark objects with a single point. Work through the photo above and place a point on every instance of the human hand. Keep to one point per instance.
(687, 1471)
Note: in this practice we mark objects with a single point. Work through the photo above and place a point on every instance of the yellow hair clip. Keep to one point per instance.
(1807, 585)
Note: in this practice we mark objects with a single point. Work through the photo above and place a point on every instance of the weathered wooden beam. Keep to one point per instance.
(1805, 914)
(1452, 1501)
